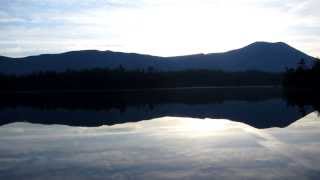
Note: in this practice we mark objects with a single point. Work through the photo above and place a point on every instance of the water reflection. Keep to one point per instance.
(158, 135)
(258, 107)
(162, 148)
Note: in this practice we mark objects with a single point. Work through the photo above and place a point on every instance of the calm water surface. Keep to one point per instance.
(171, 135)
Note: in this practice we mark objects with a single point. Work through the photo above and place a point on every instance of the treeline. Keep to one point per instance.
(302, 76)
(114, 79)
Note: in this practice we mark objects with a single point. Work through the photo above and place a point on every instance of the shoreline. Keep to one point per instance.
(136, 90)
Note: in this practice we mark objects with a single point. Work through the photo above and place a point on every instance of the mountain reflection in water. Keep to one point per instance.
(162, 148)
(260, 107)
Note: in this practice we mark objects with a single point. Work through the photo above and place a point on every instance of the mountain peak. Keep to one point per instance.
(269, 47)
(264, 43)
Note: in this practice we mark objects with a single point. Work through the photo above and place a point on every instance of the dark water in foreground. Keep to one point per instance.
(247, 133)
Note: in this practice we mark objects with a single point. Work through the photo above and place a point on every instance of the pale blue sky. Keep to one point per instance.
(158, 27)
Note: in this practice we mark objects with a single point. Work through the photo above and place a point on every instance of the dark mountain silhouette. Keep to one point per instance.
(260, 56)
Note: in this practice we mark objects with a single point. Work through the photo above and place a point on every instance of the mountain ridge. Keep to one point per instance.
(260, 55)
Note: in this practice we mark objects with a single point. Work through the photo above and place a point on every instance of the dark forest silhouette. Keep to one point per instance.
(120, 78)
(301, 85)
(303, 77)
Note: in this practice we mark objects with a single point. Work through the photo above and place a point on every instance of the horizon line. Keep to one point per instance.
(146, 54)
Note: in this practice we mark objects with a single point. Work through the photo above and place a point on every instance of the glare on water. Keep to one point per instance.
(161, 148)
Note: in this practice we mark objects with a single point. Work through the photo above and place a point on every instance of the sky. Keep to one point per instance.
(156, 27)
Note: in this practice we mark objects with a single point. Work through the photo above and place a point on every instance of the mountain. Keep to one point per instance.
(261, 56)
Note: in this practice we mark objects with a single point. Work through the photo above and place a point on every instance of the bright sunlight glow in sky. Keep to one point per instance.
(157, 27)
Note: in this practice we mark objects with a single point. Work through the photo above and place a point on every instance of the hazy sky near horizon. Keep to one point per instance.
(157, 27)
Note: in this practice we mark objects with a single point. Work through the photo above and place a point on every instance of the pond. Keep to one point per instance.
(210, 133)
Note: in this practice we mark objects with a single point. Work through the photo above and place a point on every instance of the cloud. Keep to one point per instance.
(163, 27)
